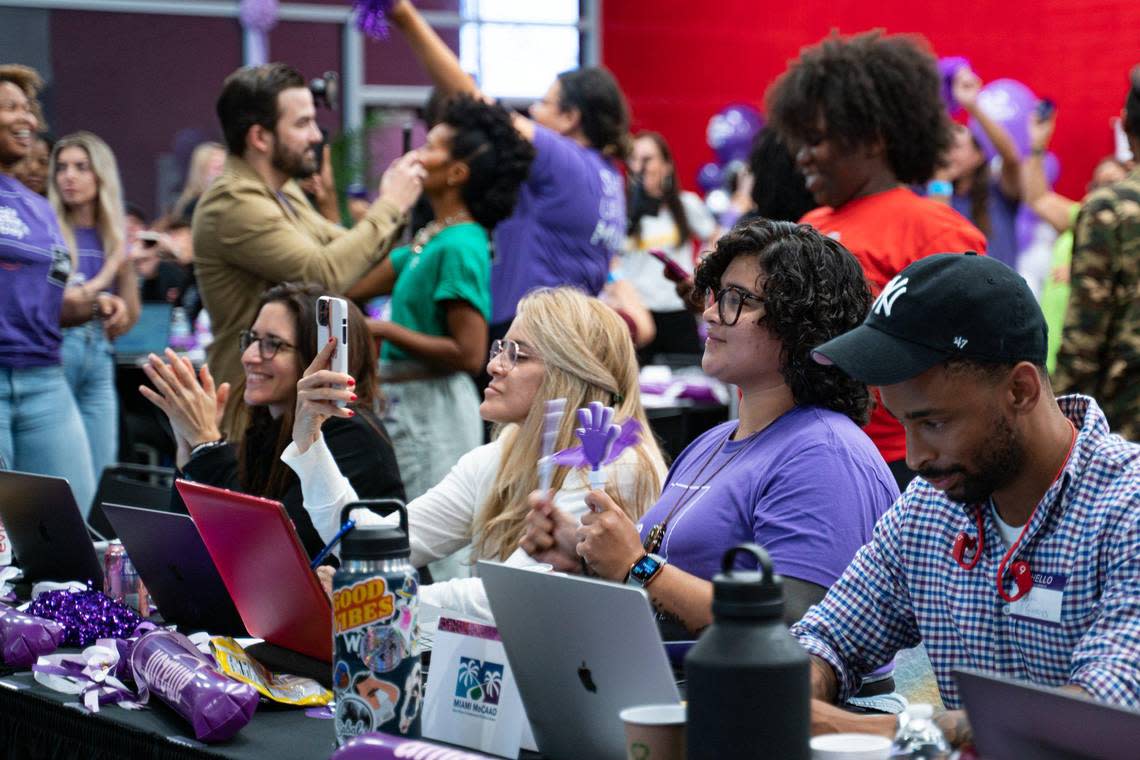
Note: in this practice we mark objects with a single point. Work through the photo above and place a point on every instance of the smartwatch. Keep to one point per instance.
(645, 570)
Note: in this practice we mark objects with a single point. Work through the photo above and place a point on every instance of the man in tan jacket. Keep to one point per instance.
(253, 227)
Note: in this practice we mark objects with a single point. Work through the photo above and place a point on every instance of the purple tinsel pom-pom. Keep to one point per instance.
(371, 17)
(86, 616)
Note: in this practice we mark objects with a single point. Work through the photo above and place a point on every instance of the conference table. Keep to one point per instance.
(37, 723)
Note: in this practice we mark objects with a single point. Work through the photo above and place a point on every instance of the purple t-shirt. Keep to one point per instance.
(89, 246)
(568, 222)
(808, 488)
(1001, 243)
(34, 267)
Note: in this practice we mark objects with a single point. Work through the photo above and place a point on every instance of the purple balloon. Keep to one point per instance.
(710, 176)
(1009, 103)
(731, 131)
(947, 68)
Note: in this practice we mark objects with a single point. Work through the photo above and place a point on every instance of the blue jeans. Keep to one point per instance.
(41, 431)
(89, 366)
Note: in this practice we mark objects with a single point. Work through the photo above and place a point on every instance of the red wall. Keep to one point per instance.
(679, 62)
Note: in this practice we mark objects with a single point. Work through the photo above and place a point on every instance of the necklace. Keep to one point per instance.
(656, 534)
(434, 227)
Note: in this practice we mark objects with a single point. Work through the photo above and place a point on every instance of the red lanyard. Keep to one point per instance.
(1022, 575)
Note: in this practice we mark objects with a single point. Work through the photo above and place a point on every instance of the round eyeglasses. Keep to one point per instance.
(508, 352)
(729, 302)
(267, 345)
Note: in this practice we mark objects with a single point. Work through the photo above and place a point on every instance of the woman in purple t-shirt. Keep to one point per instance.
(794, 473)
(39, 421)
(85, 191)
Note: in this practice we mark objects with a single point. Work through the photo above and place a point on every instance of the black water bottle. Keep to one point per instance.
(749, 685)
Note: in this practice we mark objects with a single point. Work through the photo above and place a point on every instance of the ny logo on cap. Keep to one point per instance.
(886, 300)
(960, 342)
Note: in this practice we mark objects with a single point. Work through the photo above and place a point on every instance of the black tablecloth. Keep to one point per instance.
(37, 723)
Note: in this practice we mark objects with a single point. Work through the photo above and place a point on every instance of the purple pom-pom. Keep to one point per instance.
(86, 616)
(372, 17)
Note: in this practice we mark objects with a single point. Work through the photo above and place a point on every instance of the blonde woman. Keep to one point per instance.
(206, 163)
(87, 197)
(561, 344)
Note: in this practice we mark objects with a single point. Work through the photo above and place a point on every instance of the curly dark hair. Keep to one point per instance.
(868, 87)
(595, 94)
(813, 290)
(498, 157)
(778, 192)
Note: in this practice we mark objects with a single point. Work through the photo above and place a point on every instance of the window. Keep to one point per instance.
(515, 48)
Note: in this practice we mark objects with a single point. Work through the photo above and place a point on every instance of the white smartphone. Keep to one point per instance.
(332, 322)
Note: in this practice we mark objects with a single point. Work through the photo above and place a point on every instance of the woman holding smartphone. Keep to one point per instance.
(275, 349)
(561, 344)
(664, 218)
(87, 196)
(436, 336)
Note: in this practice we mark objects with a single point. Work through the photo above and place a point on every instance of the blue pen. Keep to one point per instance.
(317, 560)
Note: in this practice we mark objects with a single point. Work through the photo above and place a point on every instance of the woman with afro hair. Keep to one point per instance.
(864, 118)
(435, 338)
(794, 473)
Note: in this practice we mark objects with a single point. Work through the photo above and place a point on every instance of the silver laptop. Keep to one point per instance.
(581, 650)
(1016, 719)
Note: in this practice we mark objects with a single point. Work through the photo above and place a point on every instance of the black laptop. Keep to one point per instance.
(1015, 719)
(49, 537)
(172, 561)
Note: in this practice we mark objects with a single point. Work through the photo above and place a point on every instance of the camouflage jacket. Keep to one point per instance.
(1100, 347)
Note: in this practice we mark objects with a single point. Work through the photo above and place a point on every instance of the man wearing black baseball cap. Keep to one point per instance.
(1017, 550)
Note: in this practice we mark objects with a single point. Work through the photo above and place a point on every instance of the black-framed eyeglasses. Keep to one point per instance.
(508, 352)
(267, 345)
(729, 302)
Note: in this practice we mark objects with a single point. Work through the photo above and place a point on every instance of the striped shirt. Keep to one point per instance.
(1083, 541)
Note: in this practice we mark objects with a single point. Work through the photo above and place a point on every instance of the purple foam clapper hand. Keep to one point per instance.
(597, 434)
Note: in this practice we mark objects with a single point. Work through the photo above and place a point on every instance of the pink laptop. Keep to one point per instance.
(265, 569)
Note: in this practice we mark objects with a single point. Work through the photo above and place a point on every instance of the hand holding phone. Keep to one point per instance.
(673, 271)
(332, 322)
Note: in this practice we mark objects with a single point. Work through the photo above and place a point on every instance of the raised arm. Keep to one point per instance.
(967, 87)
(1054, 208)
(441, 63)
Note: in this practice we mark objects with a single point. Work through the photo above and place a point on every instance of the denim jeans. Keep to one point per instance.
(89, 366)
(41, 430)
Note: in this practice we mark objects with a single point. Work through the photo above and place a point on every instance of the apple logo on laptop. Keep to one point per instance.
(587, 679)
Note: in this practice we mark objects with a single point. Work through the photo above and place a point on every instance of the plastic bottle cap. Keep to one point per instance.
(920, 711)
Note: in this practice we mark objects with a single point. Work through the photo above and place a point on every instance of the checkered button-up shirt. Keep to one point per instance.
(1084, 537)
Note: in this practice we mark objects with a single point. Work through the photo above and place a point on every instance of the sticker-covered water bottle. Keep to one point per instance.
(5, 548)
(377, 676)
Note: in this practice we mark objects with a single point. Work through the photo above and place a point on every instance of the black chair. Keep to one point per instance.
(132, 485)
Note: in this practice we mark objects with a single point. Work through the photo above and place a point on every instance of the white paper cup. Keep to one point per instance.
(654, 732)
(850, 747)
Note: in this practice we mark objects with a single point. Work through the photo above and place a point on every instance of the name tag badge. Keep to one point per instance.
(1043, 602)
